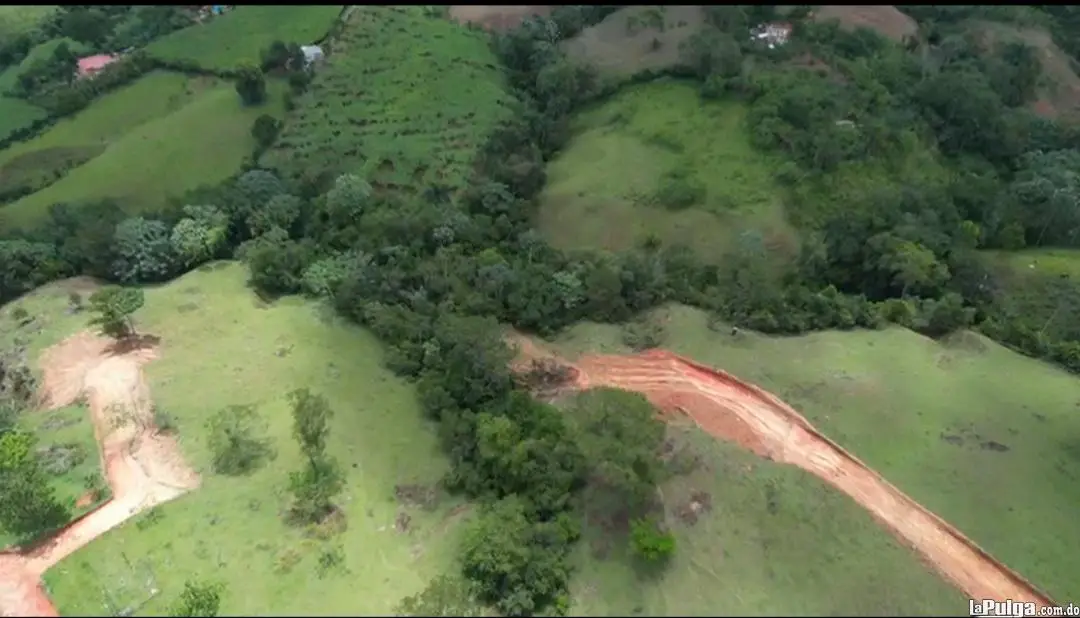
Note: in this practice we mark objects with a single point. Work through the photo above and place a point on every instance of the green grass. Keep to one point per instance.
(1040, 287)
(16, 114)
(920, 412)
(221, 346)
(406, 99)
(774, 540)
(599, 187)
(239, 36)
(157, 142)
(18, 19)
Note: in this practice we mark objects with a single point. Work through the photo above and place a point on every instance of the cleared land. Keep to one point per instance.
(992, 457)
(228, 41)
(405, 99)
(16, 19)
(885, 19)
(602, 189)
(397, 532)
(636, 38)
(497, 17)
(159, 137)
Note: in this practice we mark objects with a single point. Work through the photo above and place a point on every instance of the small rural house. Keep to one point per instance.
(774, 34)
(312, 54)
(90, 65)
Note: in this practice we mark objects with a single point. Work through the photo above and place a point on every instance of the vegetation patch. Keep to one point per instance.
(656, 161)
(68, 454)
(21, 19)
(406, 100)
(239, 36)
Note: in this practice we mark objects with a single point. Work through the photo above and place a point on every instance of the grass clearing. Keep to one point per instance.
(996, 458)
(17, 19)
(227, 41)
(1041, 287)
(191, 133)
(756, 538)
(405, 98)
(218, 339)
(636, 38)
(600, 187)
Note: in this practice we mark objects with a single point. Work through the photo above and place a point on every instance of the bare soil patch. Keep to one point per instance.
(885, 19)
(496, 17)
(627, 42)
(144, 467)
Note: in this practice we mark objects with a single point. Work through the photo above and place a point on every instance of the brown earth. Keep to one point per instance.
(885, 19)
(498, 18)
(730, 409)
(144, 468)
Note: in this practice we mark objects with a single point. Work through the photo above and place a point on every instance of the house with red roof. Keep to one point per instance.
(90, 65)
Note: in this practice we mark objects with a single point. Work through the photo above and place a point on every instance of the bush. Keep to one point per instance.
(651, 542)
(234, 436)
(643, 333)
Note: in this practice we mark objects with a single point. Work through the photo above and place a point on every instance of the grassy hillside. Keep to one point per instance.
(994, 457)
(217, 335)
(406, 98)
(162, 136)
(41, 52)
(758, 538)
(228, 41)
(17, 114)
(605, 188)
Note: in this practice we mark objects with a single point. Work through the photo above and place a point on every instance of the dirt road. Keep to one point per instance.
(733, 410)
(143, 467)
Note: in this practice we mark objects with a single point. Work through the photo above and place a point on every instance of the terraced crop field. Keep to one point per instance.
(405, 98)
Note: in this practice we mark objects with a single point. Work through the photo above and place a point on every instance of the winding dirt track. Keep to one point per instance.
(144, 468)
(728, 408)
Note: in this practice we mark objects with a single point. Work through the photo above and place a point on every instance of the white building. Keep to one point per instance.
(312, 54)
(773, 34)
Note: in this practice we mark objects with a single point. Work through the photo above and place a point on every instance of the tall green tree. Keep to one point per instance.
(112, 307)
(28, 504)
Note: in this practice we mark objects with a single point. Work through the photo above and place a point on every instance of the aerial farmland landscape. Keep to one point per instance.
(539, 310)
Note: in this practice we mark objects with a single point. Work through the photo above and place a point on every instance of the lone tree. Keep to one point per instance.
(321, 480)
(112, 307)
(201, 599)
(28, 505)
(251, 85)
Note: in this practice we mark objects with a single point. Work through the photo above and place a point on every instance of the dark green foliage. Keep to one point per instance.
(28, 505)
(236, 439)
(316, 485)
(251, 85)
(198, 599)
(650, 542)
(113, 306)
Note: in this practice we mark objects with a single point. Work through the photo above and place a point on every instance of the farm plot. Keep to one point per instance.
(405, 98)
(239, 36)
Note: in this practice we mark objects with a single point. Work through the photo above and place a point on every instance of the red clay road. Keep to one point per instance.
(728, 408)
